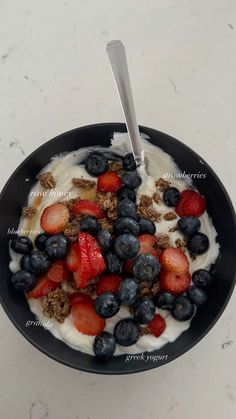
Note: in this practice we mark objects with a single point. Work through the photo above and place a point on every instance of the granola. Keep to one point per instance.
(163, 241)
(169, 216)
(56, 304)
(107, 200)
(162, 184)
(157, 198)
(148, 213)
(29, 212)
(116, 166)
(145, 201)
(181, 242)
(83, 183)
(47, 180)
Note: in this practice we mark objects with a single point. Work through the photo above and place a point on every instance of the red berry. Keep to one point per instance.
(43, 287)
(108, 283)
(87, 207)
(174, 259)
(77, 297)
(58, 271)
(109, 182)
(191, 203)
(54, 218)
(157, 325)
(72, 258)
(173, 282)
(85, 318)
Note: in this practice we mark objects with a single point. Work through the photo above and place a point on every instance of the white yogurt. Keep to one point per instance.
(64, 168)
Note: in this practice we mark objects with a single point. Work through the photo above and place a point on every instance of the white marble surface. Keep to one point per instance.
(54, 76)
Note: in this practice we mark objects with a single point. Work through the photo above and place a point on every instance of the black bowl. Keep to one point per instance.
(219, 207)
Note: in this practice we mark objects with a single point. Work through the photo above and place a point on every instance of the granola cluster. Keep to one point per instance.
(83, 183)
(162, 184)
(29, 212)
(148, 213)
(116, 166)
(56, 305)
(47, 180)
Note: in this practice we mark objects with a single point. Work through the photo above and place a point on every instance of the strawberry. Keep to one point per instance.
(157, 325)
(174, 259)
(77, 297)
(72, 258)
(54, 218)
(147, 242)
(174, 282)
(190, 203)
(58, 271)
(95, 256)
(43, 287)
(109, 182)
(85, 318)
(87, 207)
(108, 283)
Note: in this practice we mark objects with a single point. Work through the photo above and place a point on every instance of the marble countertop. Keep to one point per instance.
(54, 76)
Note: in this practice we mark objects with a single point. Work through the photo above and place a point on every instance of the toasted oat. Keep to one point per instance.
(56, 304)
(163, 241)
(72, 230)
(47, 180)
(116, 166)
(157, 198)
(71, 202)
(112, 214)
(145, 289)
(169, 216)
(162, 184)
(181, 242)
(145, 201)
(107, 200)
(83, 183)
(29, 212)
(173, 229)
(106, 224)
(148, 213)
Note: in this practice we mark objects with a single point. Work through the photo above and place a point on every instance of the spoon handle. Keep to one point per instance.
(116, 53)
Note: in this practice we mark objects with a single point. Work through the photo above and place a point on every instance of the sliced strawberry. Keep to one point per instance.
(190, 203)
(72, 258)
(174, 259)
(173, 282)
(77, 297)
(54, 218)
(85, 318)
(157, 325)
(87, 207)
(109, 182)
(43, 287)
(58, 271)
(97, 263)
(108, 283)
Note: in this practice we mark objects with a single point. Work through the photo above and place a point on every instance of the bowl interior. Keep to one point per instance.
(219, 207)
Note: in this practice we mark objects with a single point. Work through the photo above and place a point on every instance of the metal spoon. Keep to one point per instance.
(116, 53)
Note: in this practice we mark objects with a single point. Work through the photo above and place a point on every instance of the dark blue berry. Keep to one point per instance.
(90, 225)
(202, 278)
(105, 239)
(164, 300)
(182, 308)
(126, 246)
(26, 264)
(198, 244)
(107, 305)
(104, 346)
(124, 193)
(128, 291)
(113, 263)
(197, 295)
(23, 280)
(146, 267)
(127, 332)
(40, 261)
(171, 196)
(22, 244)
(129, 162)
(41, 240)
(188, 225)
(96, 163)
(126, 225)
(147, 226)
(56, 246)
(144, 310)
(126, 208)
(131, 179)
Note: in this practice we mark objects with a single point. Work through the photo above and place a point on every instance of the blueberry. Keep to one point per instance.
(126, 208)
(147, 226)
(90, 225)
(124, 193)
(96, 163)
(198, 244)
(164, 300)
(113, 263)
(104, 346)
(182, 308)
(41, 240)
(126, 225)
(23, 280)
(146, 267)
(22, 244)
(126, 246)
(127, 332)
(144, 310)
(40, 261)
(56, 246)
(129, 162)
(188, 225)
(197, 295)
(26, 264)
(131, 179)
(105, 239)
(107, 305)
(171, 196)
(128, 291)
(202, 278)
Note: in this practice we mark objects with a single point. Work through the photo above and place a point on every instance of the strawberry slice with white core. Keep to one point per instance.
(87, 207)
(54, 218)
(85, 318)
(174, 259)
(174, 282)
